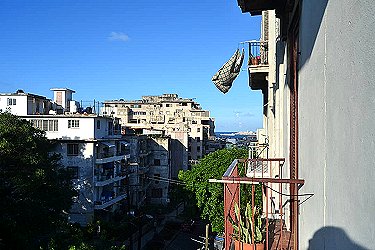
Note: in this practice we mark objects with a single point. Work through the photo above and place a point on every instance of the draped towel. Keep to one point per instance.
(224, 78)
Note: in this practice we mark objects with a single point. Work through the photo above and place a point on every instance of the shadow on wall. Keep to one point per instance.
(311, 22)
(332, 238)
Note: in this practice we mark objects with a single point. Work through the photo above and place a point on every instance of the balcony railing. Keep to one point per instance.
(105, 158)
(258, 65)
(108, 201)
(264, 175)
(258, 53)
(105, 180)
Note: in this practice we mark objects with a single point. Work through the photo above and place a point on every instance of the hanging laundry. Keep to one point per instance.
(224, 78)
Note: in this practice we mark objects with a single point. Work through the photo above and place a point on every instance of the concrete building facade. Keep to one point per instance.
(179, 118)
(319, 106)
(91, 147)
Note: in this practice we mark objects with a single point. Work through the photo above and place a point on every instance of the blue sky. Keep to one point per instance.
(116, 49)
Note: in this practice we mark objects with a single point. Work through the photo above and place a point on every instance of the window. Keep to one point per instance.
(73, 123)
(72, 149)
(157, 193)
(11, 101)
(198, 129)
(198, 148)
(98, 124)
(55, 125)
(157, 162)
(156, 178)
(73, 172)
(46, 125)
(168, 105)
(198, 139)
(110, 128)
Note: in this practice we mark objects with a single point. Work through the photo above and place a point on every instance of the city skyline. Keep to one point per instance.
(125, 50)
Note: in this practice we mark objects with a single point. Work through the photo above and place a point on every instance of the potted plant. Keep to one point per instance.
(253, 60)
(245, 229)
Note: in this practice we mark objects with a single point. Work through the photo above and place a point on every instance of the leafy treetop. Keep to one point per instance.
(34, 188)
(210, 196)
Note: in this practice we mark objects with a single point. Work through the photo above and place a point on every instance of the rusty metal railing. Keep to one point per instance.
(266, 173)
(258, 53)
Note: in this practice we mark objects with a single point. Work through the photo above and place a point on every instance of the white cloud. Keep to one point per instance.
(118, 36)
(240, 114)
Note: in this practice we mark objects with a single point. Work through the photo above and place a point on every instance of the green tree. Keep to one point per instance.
(34, 188)
(210, 196)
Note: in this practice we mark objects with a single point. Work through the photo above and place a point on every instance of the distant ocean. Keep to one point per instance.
(229, 135)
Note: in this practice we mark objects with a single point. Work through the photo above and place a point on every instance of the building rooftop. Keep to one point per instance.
(20, 92)
(154, 99)
(62, 89)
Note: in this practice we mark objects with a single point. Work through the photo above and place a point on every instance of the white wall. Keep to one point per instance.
(336, 124)
(84, 132)
(19, 109)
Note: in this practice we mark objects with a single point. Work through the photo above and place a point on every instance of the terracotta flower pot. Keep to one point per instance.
(254, 61)
(238, 245)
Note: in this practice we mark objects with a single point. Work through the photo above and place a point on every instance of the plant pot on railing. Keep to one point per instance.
(254, 61)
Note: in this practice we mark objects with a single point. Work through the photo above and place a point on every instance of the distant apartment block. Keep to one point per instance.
(180, 118)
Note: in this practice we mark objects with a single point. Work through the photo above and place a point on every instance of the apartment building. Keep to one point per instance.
(91, 147)
(21, 103)
(181, 118)
(314, 67)
(150, 169)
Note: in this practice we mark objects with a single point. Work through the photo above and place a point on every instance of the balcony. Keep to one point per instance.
(106, 158)
(104, 180)
(255, 7)
(258, 64)
(108, 201)
(277, 208)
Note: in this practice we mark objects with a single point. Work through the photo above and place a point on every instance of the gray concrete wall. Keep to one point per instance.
(82, 210)
(336, 124)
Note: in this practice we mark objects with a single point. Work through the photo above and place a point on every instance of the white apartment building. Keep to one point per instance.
(91, 147)
(21, 103)
(182, 119)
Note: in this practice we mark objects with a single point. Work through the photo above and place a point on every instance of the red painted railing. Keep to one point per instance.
(275, 199)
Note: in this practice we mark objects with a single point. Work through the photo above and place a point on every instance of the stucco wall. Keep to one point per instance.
(159, 148)
(336, 124)
(19, 109)
(82, 209)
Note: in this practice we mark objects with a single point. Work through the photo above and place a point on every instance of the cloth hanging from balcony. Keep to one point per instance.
(224, 78)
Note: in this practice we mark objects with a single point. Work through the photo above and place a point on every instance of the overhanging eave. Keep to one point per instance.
(255, 7)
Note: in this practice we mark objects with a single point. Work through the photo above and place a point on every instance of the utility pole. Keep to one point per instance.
(207, 236)
(128, 215)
